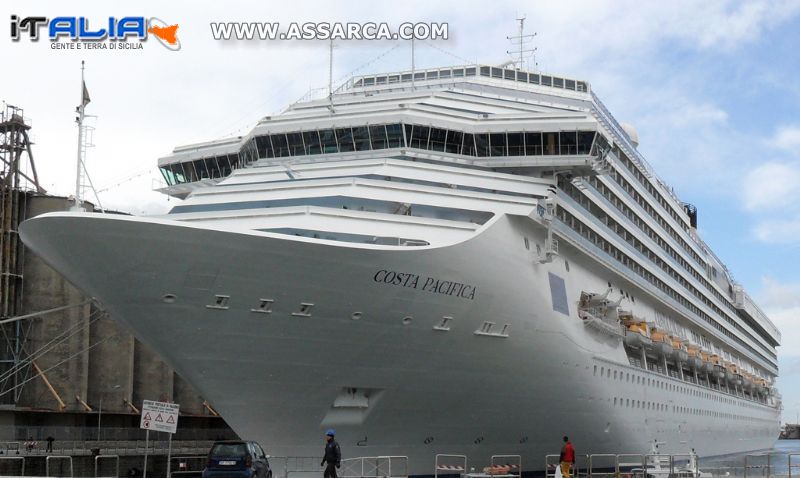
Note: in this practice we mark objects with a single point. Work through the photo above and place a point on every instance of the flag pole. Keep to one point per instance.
(79, 119)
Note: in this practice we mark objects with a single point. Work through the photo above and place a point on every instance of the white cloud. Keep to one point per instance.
(770, 186)
(781, 302)
(778, 231)
(786, 138)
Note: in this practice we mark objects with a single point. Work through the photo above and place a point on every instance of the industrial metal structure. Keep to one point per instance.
(60, 351)
(16, 186)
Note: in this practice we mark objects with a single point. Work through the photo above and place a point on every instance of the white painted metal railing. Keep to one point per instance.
(375, 467)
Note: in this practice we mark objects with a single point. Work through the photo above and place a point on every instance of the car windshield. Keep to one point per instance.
(229, 449)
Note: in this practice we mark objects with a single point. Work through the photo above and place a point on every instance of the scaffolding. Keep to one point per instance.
(18, 181)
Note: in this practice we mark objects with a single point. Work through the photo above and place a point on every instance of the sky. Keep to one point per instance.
(711, 88)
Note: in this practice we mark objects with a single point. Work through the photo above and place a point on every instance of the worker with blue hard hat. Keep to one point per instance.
(333, 455)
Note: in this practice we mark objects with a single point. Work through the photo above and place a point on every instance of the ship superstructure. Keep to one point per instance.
(469, 259)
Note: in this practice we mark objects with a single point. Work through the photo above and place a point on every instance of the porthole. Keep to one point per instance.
(527, 243)
(407, 320)
(356, 315)
(168, 298)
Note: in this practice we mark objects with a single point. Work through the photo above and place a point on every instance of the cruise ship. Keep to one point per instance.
(467, 260)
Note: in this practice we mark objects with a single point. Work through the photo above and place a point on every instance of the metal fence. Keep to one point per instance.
(375, 467)
(104, 447)
(755, 465)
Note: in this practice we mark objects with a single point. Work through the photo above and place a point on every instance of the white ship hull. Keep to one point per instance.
(275, 377)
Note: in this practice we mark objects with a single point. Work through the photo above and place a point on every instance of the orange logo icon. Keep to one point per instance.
(165, 33)
(168, 34)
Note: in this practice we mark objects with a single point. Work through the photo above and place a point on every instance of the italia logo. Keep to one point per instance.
(112, 28)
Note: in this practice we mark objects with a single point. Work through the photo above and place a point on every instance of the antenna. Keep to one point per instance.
(413, 67)
(84, 142)
(523, 43)
(330, 77)
(330, 70)
(79, 119)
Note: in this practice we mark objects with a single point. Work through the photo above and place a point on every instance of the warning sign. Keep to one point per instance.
(159, 416)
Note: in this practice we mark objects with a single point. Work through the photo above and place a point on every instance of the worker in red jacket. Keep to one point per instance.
(567, 457)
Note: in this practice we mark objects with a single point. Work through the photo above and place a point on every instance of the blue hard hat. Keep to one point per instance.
(330, 432)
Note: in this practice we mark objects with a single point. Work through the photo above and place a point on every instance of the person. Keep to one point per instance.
(50, 441)
(333, 455)
(567, 457)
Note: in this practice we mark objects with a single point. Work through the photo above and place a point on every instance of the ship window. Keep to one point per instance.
(264, 147)
(295, 144)
(200, 168)
(569, 142)
(180, 173)
(311, 142)
(419, 76)
(394, 79)
(168, 176)
(508, 74)
(485, 71)
(328, 140)
(550, 143)
(547, 80)
(585, 139)
(533, 144)
(522, 76)
(432, 75)
(453, 143)
(482, 144)
(279, 145)
(406, 77)
(471, 71)
(497, 73)
(224, 165)
(381, 80)
(437, 139)
(419, 137)
(361, 137)
(233, 163)
(533, 78)
(369, 81)
(558, 82)
(175, 172)
(378, 136)
(344, 136)
(394, 135)
(444, 74)
(497, 142)
(213, 167)
(468, 146)
(458, 72)
(516, 144)
(569, 84)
